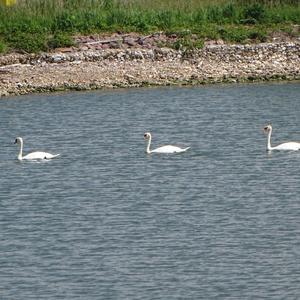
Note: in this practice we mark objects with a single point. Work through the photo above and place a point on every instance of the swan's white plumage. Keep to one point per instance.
(163, 149)
(39, 155)
(293, 146)
(34, 155)
(289, 146)
(168, 149)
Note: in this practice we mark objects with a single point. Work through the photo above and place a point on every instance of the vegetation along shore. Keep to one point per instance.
(56, 45)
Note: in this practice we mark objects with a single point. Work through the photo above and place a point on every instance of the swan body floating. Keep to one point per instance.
(34, 155)
(163, 149)
(292, 146)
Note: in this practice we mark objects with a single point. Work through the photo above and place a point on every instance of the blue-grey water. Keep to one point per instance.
(107, 221)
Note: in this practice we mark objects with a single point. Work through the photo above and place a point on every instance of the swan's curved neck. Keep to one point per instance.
(148, 145)
(20, 156)
(269, 147)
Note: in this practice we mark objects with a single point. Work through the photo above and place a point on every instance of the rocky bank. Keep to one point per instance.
(133, 61)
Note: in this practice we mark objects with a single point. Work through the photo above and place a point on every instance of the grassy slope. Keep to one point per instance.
(39, 25)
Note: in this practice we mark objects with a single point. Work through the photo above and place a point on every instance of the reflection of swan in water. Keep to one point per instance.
(33, 155)
(163, 149)
(293, 146)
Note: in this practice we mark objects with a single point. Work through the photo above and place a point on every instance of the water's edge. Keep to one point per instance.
(135, 67)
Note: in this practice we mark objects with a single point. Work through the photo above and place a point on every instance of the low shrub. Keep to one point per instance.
(255, 11)
(258, 36)
(28, 42)
(60, 40)
(3, 47)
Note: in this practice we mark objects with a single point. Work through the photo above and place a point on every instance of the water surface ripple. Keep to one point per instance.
(108, 221)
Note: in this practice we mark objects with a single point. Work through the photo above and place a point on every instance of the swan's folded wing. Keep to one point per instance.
(39, 155)
(169, 149)
(293, 146)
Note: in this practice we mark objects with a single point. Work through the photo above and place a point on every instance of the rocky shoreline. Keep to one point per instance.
(128, 62)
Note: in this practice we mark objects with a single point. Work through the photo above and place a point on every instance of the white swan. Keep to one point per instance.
(163, 149)
(293, 146)
(33, 155)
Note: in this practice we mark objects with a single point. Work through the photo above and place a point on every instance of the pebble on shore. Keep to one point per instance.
(134, 61)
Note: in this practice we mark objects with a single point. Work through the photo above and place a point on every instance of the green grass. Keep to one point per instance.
(40, 25)
(3, 47)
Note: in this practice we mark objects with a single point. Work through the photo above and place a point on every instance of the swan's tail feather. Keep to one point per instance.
(187, 148)
(55, 155)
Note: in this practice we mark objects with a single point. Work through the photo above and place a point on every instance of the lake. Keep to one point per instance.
(105, 220)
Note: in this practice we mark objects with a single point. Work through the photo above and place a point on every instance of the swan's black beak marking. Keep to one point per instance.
(16, 141)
